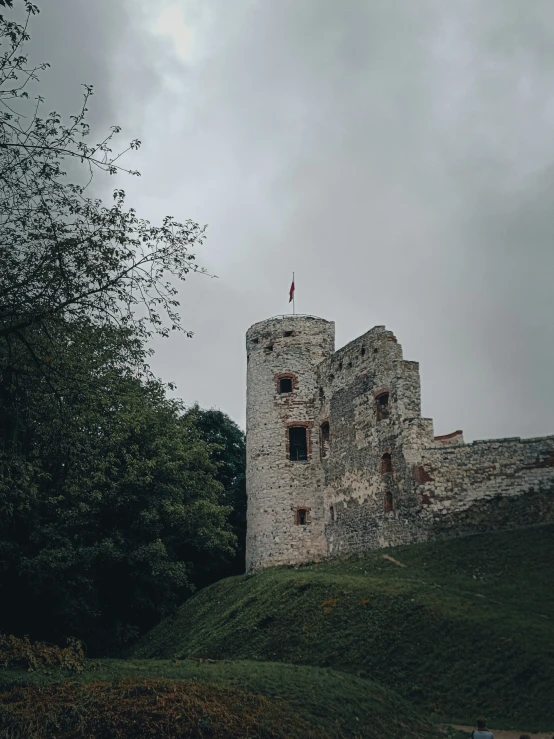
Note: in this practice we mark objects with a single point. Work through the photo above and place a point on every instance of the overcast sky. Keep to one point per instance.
(397, 155)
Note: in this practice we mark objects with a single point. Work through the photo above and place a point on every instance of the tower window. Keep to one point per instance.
(298, 444)
(389, 503)
(301, 516)
(287, 334)
(386, 463)
(321, 394)
(285, 382)
(382, 404)
(285, 385)
(332, 512)
(325, 440)
(362, 351)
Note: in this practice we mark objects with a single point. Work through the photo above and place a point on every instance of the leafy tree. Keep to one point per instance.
(110, 511)
(64, 255)
(227, 446)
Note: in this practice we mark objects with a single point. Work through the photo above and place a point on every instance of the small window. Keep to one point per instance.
(269, 348)
(321, 394)
(389, 503)
(340, 366)
(287, 334)
(362, 351)
(382, 403)
(386, 464)
(325, 440)
(255, 341)
(349, 365)
(332, 512)
(298, 444)
(302, 516)
(285, 385)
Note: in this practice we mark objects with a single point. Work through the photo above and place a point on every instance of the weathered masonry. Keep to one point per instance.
(340, 460)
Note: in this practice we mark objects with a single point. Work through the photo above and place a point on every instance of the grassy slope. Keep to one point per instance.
(332, 704)
(466, 627)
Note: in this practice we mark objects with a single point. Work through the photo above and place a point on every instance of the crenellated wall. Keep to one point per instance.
(376, 475)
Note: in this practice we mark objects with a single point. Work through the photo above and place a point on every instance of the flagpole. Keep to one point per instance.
(293, 292)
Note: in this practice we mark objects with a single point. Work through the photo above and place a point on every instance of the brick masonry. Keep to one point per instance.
(382, 478)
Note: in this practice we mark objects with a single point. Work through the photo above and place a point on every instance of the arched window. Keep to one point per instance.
(325, 444)
(386, 463)
(389, 502)
(382, 405)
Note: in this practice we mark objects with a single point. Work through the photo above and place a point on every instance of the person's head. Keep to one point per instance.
(481, 723)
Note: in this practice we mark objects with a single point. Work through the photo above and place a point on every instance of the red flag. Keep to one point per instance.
(291, 292)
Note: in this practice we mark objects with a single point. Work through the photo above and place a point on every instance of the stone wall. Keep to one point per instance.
(376, 475)
(451, 480)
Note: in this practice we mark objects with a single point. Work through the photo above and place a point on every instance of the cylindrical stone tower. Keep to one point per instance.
(283, 468)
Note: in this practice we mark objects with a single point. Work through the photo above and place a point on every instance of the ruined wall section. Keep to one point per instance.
(367, 495)
(456, 484)
(375, 475)
(277, 487)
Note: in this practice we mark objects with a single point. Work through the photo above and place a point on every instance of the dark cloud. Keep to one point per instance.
(396, 155)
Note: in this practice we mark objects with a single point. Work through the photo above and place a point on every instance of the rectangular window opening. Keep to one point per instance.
(298, 443)
(325, 440)
(382, 402)
(285, 385)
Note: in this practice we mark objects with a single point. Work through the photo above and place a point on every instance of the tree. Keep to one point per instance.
(110, 512)
(227, 445)
(63, 255)
(110, 509)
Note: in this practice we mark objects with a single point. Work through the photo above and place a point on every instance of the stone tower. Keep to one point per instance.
(339, 459)
(284, 481)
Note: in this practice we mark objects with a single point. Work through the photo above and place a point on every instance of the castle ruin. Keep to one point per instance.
(339, 459)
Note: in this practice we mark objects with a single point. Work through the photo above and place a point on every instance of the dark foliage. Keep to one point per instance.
(227, 445)
(109, 509)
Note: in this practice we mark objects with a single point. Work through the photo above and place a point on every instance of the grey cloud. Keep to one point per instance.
(396, 155)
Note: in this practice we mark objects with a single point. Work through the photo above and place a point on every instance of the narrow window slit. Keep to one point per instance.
(325, 440)
(382, 404)
(386, 463)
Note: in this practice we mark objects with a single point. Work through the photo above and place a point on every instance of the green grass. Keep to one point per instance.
(339, 704)
(465, 628)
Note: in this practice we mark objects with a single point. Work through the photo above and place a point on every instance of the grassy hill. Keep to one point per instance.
(459, 627)
(243, 698)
